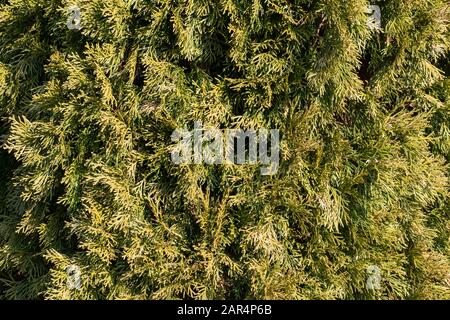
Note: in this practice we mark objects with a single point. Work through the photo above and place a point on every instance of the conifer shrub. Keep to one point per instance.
(88, 104)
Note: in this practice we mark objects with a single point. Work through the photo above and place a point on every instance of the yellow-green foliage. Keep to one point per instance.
(87, 179)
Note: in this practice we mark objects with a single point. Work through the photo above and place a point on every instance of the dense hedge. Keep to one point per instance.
(87, 180)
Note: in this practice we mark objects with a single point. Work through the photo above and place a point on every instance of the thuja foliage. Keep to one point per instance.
(87, 179)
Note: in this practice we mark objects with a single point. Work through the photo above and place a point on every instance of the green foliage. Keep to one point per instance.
(87, 179)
